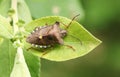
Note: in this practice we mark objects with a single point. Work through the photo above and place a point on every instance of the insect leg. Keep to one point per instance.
(29, 48)
(69, 47)
(45, 52)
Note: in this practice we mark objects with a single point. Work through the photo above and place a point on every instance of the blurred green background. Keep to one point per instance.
(102, 19)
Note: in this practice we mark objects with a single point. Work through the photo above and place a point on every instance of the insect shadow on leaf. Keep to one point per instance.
(48, 36)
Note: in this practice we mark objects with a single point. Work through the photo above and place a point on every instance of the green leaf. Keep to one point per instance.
(33, 63)
(4, 7)
(1, 40)
(60, 52)
(20, 68)
(5, 28)
(23, 11)
(7, 54)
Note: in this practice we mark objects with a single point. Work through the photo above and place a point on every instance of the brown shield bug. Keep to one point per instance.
(46, 36)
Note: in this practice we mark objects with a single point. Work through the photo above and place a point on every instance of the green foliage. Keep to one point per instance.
(99, 13)
(1, 40)
(67, 8)
(7, 50)
(5, 28)
(23, 12)
(9, 43)
(34, 64)
(7, 54)
(4, 7)
(62, 53)
(20, 68)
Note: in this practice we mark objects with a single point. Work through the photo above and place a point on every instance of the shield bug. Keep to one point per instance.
(46, 36)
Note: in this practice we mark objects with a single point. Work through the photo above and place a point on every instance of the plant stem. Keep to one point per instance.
(15, 15)
(20, 68)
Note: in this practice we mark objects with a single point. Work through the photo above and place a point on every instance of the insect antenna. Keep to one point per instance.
(71, 21)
